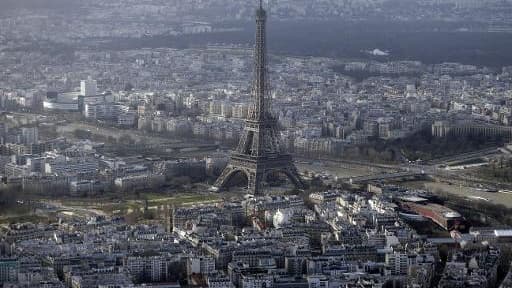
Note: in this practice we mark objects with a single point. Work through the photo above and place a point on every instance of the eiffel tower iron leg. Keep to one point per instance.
(294, 176)
(254, 183)
(226, 175)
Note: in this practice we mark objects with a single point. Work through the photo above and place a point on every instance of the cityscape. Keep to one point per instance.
(256, 143)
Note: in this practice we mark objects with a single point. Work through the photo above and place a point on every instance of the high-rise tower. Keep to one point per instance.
(259, 153)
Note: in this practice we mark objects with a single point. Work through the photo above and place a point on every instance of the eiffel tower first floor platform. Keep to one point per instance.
(257, 169)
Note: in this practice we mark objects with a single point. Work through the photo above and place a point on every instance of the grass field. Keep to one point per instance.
(22, 219)
(112, 204)
(471, 193)
(156, 200)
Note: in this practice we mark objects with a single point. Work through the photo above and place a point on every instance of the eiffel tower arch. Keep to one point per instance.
(256, 173)
(259, 152)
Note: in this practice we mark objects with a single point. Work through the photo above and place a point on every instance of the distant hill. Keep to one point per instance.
(430, 43)
(37, 4)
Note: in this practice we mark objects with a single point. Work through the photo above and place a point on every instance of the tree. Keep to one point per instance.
(133, 217)
(128, 87)
(82, 134)
(126, 139)
(180, 181)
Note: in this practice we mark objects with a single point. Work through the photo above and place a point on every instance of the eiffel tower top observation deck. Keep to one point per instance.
(258, 110)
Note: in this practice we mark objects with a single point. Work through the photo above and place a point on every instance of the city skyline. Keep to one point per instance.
(224, 143)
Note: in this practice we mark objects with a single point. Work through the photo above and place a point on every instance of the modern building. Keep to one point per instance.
(147, 269)
(397, 263)
(200, 265)
(30, 135)
(8, 270)
(139, 182)
(64, 102)
(88, 87)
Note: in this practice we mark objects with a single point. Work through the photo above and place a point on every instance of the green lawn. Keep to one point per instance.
(184, 199)
(23, 219)
(109, 203)
(159, 200)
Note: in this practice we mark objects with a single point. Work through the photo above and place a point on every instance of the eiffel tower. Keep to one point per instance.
(259, 153)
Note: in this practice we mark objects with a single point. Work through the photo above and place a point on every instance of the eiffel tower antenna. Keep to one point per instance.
(259, 153)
